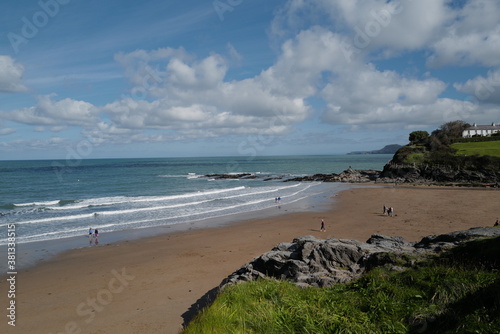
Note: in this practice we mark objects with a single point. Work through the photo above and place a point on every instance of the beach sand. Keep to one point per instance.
(149, 285)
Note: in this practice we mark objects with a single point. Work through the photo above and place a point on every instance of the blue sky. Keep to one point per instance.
(94, 79)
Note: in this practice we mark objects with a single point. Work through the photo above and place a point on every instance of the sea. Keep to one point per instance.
(57, 200)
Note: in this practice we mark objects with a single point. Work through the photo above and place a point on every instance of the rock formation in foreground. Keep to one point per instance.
(308, 261)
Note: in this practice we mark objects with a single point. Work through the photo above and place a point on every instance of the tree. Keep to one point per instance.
(449, 131)
(418, 137)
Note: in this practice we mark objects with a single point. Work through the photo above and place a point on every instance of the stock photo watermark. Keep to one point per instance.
(252, 145)
(84, 148)
(31, 25)
(150, 80)
(75, 155)
(488, 87)
(222, 7)
(364, 35)
(96, 303)
(11, 274)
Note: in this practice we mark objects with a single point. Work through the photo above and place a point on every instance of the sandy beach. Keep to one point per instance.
(149, 285)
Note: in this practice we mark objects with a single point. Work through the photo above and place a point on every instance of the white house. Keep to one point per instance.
(481, 130)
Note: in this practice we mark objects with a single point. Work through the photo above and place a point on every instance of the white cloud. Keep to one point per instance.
(369, 97)
(298, 71)
(462, 36)
(472, 38)
(11, 75)
(6, 131)
(357, 93)
(397, 25)
(483, 89)
(193, 98)
(57, 113)
(397, 115)
(368, 25)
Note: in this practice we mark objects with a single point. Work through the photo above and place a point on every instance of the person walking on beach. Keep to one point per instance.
(96, 235)
(323, 229)
(390, 212)
(385, 209)
(90, 235)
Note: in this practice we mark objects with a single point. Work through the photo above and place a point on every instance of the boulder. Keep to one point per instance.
(311, 262)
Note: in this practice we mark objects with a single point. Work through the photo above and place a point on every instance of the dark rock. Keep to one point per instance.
(459, 236)
(389, 243)
(308, 261)
(231, 176)
(350, 175)
(407, 173)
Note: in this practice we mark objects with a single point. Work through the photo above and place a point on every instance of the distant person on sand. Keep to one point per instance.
(96, 235)
(323, 229)
(390, 212)
(90, 235)
(496, 223)
(385, 209)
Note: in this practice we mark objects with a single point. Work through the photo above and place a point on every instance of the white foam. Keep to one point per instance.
(108, 201)
(49, 203)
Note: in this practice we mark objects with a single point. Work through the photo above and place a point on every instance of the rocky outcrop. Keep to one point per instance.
(350, 175)
(231, 176)
(407, 173)
(457, 237)
(308, 261)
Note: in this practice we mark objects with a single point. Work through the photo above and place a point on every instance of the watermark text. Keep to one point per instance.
(11, 274)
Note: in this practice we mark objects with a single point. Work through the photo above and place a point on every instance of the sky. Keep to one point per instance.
(125, 79)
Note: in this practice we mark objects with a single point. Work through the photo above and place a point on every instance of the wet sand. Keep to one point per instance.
(149, 285)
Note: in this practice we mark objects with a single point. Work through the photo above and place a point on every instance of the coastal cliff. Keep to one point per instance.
(414, 173)
(444, 156)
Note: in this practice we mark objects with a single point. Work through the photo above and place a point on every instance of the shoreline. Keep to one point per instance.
(151, 285)
(30, 254)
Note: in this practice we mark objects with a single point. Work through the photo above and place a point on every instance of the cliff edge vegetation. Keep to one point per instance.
(444, 156)
(445, 146)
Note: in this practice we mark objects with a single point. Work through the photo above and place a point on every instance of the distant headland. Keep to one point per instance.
(388, 149)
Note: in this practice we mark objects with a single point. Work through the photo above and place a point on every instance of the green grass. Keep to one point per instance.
(491, 148)
(415, 158)
(455, 293)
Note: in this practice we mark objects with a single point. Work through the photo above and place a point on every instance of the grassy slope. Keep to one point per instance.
(457, 292)
(491, 148)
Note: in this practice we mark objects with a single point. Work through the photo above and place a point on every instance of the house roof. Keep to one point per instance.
(484, 127)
